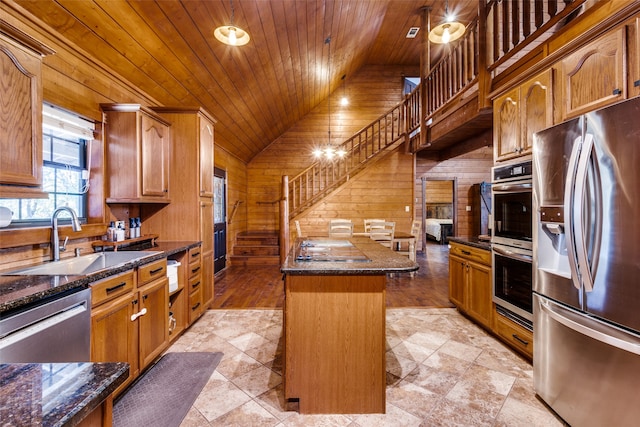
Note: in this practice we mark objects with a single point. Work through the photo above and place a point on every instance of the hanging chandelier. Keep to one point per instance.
(231, 34)
(448, 31)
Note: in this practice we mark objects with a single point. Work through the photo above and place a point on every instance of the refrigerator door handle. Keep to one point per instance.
(590, 327)
(568, 208)
(578, 204)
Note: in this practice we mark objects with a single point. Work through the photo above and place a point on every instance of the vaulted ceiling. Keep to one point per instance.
(256, 91)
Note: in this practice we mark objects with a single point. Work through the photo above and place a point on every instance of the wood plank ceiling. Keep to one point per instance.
(257, 91)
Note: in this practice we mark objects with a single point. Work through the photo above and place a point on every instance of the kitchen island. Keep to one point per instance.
(334, 324)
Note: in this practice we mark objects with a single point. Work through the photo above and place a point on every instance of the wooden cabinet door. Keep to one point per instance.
(21, 122)
(506, 125)
(154, 146)
(479, 301)
(536, 108)
(154, 324)
(593, 76)
(207, 279)
(206, 157)
(114, 336)
(633, 53)
(457, 281)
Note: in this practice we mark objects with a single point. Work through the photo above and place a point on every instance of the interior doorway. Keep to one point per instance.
(439, 207)
(219, 219)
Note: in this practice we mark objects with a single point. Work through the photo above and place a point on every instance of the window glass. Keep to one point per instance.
(64, 160)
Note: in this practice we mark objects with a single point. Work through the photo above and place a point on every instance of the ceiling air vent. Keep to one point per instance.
(413, 31)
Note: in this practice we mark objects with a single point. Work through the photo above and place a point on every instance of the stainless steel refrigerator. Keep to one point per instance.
(586, 196)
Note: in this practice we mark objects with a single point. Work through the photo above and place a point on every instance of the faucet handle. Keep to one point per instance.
(64, 245)
(78, 251)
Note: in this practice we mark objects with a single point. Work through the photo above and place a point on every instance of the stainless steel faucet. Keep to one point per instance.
(55, 240)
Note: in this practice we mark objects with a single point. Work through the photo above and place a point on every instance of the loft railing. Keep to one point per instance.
(324, 176)
(514, 25)
(454, 72)
(508, 27)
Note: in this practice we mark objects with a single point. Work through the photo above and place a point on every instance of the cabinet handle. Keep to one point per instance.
(134, 302)
(157, 270)
(144, 297)
(636, 83)
(138, 314)
(193, 270)
(465, 252)
(195, 306)
(196, 284)
(116, 287)
(520, 340)
(195, 254)
(617, 91)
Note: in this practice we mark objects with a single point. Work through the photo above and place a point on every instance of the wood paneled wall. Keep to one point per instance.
(373, 91)
(439, 191)
(236, 191)
(468, 169)
(382, 191)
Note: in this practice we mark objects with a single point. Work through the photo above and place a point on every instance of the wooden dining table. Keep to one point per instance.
(399, 237)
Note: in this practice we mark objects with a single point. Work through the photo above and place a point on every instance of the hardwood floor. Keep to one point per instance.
(240, 287)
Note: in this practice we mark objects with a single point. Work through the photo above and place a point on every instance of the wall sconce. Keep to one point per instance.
(231, 34)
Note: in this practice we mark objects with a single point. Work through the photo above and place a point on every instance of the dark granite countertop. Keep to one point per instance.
(55, 394)
(382, 260)
(472, 241)
(18, 291)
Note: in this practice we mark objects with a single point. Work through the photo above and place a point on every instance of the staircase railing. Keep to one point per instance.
(324, 176)
(507, 28)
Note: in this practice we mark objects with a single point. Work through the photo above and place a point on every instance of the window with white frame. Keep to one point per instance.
(65, 176)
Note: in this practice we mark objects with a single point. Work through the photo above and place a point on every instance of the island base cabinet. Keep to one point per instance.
(335, 343)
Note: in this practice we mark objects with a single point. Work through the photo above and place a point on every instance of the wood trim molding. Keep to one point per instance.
(16, 237)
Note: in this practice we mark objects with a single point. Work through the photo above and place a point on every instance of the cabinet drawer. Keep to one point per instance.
(194, 270)
(518, 337)
(195, 303)
(195, 283)
(471, 253)
(152, 271)
(194, 255)
(107, 289)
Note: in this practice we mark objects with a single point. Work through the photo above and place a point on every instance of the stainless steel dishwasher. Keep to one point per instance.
(54, 330)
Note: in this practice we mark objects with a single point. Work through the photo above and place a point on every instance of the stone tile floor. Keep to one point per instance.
(442, 370)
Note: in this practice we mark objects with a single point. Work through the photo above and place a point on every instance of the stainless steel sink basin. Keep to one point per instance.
(82, 265)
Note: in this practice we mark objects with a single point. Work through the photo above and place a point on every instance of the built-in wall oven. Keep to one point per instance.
(511, 241)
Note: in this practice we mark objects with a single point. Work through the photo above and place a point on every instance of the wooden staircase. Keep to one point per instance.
(256, 248)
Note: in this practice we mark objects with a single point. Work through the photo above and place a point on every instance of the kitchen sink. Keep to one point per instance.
(83, 265)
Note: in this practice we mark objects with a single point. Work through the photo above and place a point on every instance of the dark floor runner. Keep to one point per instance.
(166, 392)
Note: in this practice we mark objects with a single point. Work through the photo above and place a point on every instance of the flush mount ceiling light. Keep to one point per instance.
(231, 34)
(448, 31)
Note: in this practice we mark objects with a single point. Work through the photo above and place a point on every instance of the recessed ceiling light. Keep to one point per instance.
(413, 31)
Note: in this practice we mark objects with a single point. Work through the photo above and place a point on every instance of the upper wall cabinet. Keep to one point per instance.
(521, 112)
(593, 76)
(20, 114)
(633, 32)
(138, 146)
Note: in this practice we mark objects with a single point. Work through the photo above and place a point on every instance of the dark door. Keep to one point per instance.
(219, 219)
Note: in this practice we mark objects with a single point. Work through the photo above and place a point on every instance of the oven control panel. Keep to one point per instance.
(512, 171)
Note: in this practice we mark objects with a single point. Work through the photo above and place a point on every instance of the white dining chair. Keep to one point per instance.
(383, 233)
(340, 228)
(368, 222)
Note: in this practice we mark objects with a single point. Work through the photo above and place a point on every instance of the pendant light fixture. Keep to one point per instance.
(328, 153)
(448, 31)
(231, 34)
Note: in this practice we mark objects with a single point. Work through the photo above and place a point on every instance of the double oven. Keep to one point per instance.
(511, 241)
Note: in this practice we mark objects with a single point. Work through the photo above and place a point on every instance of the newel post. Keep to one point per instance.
(284, 219)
